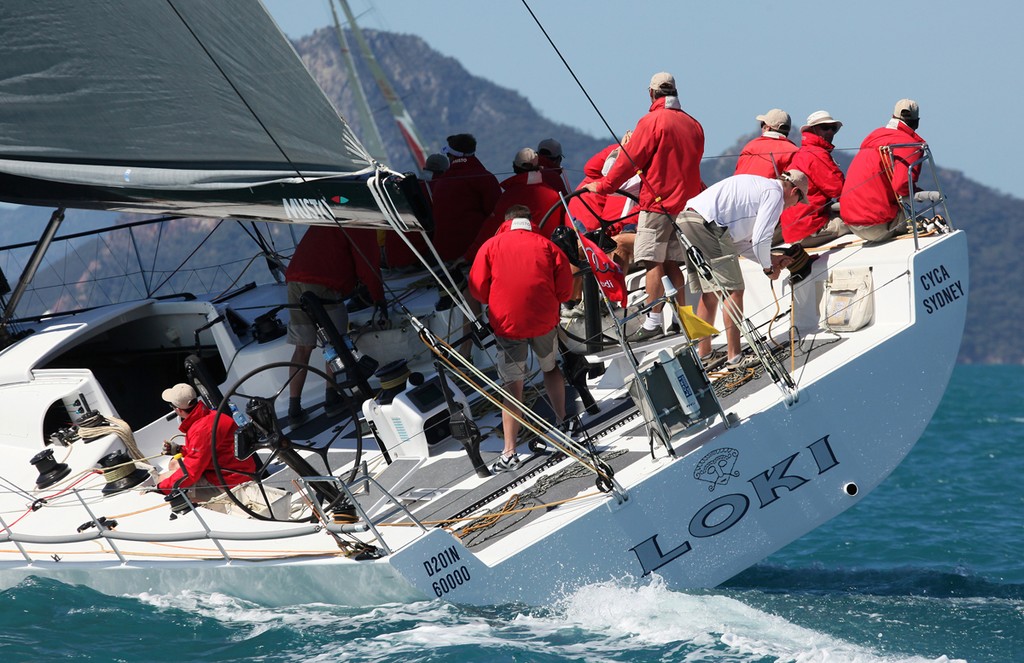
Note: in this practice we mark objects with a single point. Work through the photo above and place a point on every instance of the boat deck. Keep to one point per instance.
(483, 512)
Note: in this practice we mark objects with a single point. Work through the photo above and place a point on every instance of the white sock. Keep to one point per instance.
(653, 321)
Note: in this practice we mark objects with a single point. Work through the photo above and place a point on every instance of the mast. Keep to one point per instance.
(370, 137)
(398, 109)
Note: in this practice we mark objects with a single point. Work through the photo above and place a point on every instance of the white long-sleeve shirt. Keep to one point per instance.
(749, 206)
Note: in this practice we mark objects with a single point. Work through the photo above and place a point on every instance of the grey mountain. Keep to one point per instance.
(443, 98)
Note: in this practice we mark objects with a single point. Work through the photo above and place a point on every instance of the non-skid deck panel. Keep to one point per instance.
(567, 482)
(388, 479)
(440, 476)
(819, 347)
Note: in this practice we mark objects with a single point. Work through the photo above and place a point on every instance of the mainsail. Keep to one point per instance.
(187, 106)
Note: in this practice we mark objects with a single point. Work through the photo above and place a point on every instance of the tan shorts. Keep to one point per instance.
(656, 240)
(512, 355)
(301, 330)
(715, 243)
(881, 232)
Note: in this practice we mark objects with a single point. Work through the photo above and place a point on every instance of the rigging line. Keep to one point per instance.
(256, 236)
(586, 94)
(736, 317)
(571, 72)
(98, 231)
(188, 257)
(560, 440)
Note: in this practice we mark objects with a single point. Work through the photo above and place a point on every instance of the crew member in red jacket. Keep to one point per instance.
(463, 198)
(586, 207)
(526, 187)
(330, 263)
(813, 223)
(879, 173)
(666, 147)
(523, 278)
(195, 470)
(550, 152)
(769, 154)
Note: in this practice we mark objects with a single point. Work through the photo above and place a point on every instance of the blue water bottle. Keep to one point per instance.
(238, 415)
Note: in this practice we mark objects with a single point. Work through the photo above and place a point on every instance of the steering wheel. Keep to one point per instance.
(604, 224)
(602, 239)
(282, 448)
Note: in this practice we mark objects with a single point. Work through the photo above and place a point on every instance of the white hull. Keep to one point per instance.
(782, 471)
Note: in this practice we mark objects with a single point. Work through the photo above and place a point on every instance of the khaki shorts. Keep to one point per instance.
(512, 354)
(301, 330)
(881, 232)
(715, 243)
(656, 240)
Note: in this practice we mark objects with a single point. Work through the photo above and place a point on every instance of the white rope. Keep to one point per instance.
(117, 427)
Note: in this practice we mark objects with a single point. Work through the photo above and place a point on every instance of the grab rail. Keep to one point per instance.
(912, 197)
(347, 489)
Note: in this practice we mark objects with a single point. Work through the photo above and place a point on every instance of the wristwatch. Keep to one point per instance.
(768, 271)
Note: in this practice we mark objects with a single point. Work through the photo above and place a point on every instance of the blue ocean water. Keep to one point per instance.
(927, 568)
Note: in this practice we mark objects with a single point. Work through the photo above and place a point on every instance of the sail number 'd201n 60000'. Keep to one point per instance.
(445, 571)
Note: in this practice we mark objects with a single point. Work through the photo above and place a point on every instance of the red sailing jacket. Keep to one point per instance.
(197, 455)
(464, 196)
(667, 145)
(551, 171)
(587, 207)
(338, 259)
(766, 156)
(528, 189)
(584, 206)
(522, 277)
(824, 184)
(868, 198)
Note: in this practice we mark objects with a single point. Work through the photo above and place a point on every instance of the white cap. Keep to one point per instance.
(181, 396)
(797, 179)
(906, 109)
(663, 81)
(526, 159)
(777, 119)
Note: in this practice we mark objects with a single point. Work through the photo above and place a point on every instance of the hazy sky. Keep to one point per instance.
(733, 60)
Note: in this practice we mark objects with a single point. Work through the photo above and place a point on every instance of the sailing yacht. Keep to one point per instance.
(669, 469)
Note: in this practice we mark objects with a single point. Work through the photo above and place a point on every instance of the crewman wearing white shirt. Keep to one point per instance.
(736, 216)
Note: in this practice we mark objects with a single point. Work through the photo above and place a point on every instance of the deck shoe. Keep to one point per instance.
(741, 362)
(572, 309)
(644, 334)
(506, 464)
(712, 359)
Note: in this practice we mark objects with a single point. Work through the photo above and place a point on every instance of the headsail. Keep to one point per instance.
(187, 106)
(371, 134)
(398, 110)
